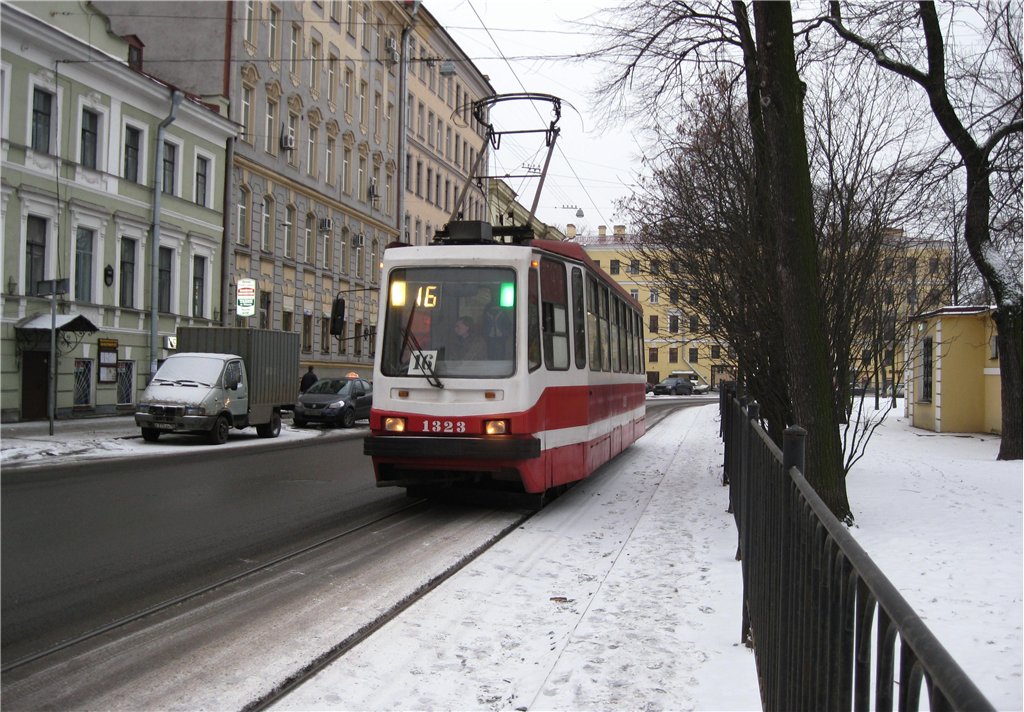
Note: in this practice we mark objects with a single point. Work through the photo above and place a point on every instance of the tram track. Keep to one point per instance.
(201, 591)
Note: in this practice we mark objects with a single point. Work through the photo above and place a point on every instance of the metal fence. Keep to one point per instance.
(828, 629)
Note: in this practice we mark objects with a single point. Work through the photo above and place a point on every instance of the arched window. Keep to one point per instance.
(308, 243)
(289, 231)
(242, 217)
(375, 261)
(267, 230)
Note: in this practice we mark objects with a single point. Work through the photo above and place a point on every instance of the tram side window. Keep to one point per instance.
(614, 322)
(579, 319)
(639, 336)
(592, 321)
(603, 325)
(624, 342)
(627, 341)
(533, 322)
(554, 315)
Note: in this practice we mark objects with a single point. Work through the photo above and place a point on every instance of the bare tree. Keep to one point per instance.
(977, 105)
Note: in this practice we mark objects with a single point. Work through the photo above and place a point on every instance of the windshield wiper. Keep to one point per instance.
(409, 339)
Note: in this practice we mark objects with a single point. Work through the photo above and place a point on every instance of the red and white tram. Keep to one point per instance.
(507, 366)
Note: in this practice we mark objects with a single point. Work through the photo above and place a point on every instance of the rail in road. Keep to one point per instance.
(315, 603)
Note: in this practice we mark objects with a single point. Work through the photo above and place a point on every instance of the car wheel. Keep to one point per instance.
(150, 435)
(219, 432)
(271, 429)
(348, 418)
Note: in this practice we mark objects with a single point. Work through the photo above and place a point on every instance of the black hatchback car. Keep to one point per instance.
(674, 387)
(334, 401)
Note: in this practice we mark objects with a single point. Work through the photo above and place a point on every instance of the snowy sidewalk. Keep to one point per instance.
(622, 594)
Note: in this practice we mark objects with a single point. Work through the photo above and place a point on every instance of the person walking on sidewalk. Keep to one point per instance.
(308, 379)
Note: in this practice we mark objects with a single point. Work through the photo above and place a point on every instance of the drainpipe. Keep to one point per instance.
(403, 91)
(154, 242)
(226, 242)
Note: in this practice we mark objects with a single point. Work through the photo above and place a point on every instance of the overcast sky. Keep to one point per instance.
(591, 167)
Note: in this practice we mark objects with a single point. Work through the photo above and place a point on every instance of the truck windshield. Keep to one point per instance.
(450, 321)
(190, 368)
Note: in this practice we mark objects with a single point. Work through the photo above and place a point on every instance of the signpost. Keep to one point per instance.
(52, 287)
(245, 297)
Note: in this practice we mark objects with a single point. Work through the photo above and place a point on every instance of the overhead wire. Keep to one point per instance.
(523, 87)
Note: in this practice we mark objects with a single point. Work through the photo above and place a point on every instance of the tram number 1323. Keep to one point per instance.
(444, 426)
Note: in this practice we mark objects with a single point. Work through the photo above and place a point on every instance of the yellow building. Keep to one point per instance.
(953, 378)
(677, 338)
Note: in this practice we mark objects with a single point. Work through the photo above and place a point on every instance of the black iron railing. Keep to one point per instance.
(829, 631)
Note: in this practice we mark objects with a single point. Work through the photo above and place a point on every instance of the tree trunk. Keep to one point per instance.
(790, 218)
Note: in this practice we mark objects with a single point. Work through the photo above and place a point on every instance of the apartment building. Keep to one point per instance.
(676, 338)
(446, 144)
(94, 253)
(314, 88)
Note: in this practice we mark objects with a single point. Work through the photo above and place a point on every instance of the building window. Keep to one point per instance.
(84, 247)
(332, 161)
(126, 286)
(325, 335)
(347, 99)
(332, 79)
(35, 252)
(613, 267)
(125, 382)
(293, 53)
(265, 310)
(362, 179)
(164, 279)
(693, 355)
(307, 333)
(202, 178)
(293, 134)
(90, 138)
(653, 296)
(307, 238)
(652, 323)
(287, 321)
(314, 66)
(926, 369)
(362, 104)
(716, 352)
(83, 381)
(198, 286)
(242, 221)
(170, 167)
(311, 153)
(673, 323)
(273, 39)
(289, 232)
(346, 170)
(250, 21)
(652, 355)
(246, 117)
(673, 355)
(634, 266)
(42, 115)
(270, 136)
(267, 230)
(694, 323)
(132, 139)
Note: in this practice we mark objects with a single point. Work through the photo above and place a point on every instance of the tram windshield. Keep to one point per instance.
(450, 321)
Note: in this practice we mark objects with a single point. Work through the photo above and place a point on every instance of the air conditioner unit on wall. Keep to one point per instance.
(357, 240)
(390, 45)
(288, 142)
(326, 224)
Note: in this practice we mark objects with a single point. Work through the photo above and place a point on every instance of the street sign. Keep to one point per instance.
(246, 297)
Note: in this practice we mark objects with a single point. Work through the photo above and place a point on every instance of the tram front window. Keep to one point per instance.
(450, 321)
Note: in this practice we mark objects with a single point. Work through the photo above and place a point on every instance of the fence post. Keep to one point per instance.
(794, 439)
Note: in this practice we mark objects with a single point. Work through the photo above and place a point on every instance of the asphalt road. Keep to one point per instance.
(86, 544)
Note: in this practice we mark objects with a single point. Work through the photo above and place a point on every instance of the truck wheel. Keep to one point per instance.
(150, 435)
(218, 434)
(348, 418)
(271, 429)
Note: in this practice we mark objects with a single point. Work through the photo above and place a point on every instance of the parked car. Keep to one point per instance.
(674, 387)
(334, 401)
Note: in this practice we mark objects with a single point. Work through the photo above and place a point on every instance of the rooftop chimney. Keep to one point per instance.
(620, 230)
(570, 231)
(602, 230)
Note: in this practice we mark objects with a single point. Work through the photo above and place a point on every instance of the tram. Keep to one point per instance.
(514, 367)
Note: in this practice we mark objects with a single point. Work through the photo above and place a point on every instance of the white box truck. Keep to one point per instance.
(222, 378)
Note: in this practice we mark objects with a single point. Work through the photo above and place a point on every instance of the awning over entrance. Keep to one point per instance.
(63, 322)
(33, 332)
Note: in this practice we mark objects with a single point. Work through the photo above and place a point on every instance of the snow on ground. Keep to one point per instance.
(625, 595)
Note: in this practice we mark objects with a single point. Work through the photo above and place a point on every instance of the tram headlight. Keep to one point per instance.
(394, 425)
(496, 427)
